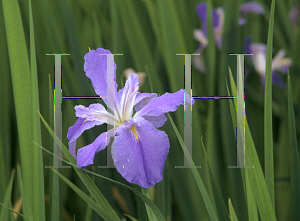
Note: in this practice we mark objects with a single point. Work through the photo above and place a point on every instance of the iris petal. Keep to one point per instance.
(165, 103)
(142, 99)
(128, 96)
(95, 66)
(85, 155)
(253, 7)
(140, 161)
(76, 130)
(95, 112)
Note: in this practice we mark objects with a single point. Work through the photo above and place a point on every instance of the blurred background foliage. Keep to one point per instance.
(149, 34)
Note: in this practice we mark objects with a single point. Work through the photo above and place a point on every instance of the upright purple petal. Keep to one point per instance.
(201, 11)
(165, 103)
(95, 66)
(128, 97)
(76, 130)
(294, 13)
(253, 7)
(140, 152)
(85, 155)
(259, 52)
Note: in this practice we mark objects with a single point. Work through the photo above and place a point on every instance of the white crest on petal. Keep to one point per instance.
(259, 57)
(129, 93)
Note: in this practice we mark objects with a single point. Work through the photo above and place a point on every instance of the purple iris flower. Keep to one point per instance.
(218, 16)
(294, 17)
(139, 150)
(279, 62)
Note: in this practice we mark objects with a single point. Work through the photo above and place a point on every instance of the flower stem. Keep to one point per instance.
(145, 192)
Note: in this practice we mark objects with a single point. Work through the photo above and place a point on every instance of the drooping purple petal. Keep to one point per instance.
(165, 103)
(199, 36)
(198, 61)
(277, 80)
(95, 112)
(95, 66)
(85, 155)
(252, 7)
(280, 63)
(144, 98)
(140, 160)
(247, 45)
(76, 130)
(156, 121)
(128, 96)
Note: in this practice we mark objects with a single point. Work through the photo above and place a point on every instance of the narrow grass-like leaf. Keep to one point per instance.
(26, 209)
(294, 157)
(211, 49)
(3, 172)
(232, 212)
(130, 217)
(97, 31)
(231, 43)
(135, 34)
(258, 184)
(4, 212)
(76, 52)
(172, 41)
(150, 215)
(106, 215)
(54, 179)
(268, 128)
(88, 213)
(20, 73)
(251, 203)
(13, 219)
(200, 184)
(218, 199)
(38, 173)
(96, 194)
(90, 185)
(153, 207)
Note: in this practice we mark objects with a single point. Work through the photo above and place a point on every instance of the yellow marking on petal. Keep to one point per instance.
(134, 131)
(85, 120)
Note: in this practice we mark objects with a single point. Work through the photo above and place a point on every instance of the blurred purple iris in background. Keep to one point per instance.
(218, 16)
(294, 17)
(139, 150)
(279, 62)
